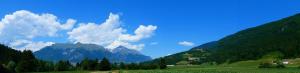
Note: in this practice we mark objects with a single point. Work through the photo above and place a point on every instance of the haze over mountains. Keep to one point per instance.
(77, 52)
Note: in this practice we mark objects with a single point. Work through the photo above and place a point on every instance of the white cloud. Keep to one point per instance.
(69, 24)
(110, 34)
(140, 33)
(20, 28)
(25, 25)
(29, 45)
(101, 34)
(126, 44)
(186, 43)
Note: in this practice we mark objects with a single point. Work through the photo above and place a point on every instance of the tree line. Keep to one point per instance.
(13, 61)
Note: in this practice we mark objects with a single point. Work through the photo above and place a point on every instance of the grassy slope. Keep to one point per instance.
(65, 72)
(238, 67)
(294, 62)
(200, 70)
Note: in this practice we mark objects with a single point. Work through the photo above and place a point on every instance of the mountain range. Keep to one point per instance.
(77, 52)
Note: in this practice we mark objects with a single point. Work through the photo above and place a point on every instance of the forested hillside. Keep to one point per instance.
(17, 61)
(282, 36)
(253, 43)
(8, 54)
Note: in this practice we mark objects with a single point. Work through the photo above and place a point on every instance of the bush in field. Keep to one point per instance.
(276, 64)
(148, 66)
(279, 64)
(265, 65)
(162, 64)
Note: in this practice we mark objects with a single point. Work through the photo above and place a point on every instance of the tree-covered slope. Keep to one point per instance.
(253, 43)
(7, 54)
(281, 36)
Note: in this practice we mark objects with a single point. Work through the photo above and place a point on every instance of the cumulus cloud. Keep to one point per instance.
(100, 34)
(140, 33)
(68, 25)
(186, 43)
(126, 44)
(29, 45)
(20, 28)
(25, 25)
(110, 34)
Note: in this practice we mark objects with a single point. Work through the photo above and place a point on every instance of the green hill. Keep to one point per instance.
(202, 51)
(282, 36)
(253, 43)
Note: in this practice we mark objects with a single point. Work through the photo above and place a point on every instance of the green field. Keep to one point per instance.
(199, 69)
(238, 67)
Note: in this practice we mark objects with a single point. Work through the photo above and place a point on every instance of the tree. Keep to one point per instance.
(49, 66)
(93, 64)
(87, 64)
(122, 66)
(105, 65)
(28, 62)
(148, 66)
(78, 67)
(84, 64)
(4, 70)
(115, 66)
(44, 66)
(8, 54)
(162, 63)
(133, 66)
(24, 66)
(63, 66)
(28, 55)
(11, 65)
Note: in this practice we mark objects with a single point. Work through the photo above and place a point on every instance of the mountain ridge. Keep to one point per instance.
(77, 52)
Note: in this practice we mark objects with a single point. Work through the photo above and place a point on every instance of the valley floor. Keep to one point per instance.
(198, 69)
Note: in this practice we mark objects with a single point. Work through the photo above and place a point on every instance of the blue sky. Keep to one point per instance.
(194, 21)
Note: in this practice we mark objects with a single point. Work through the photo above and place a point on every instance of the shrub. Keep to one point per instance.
(276, 64)
(3, 69)
(265, 65)
(279, 64)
